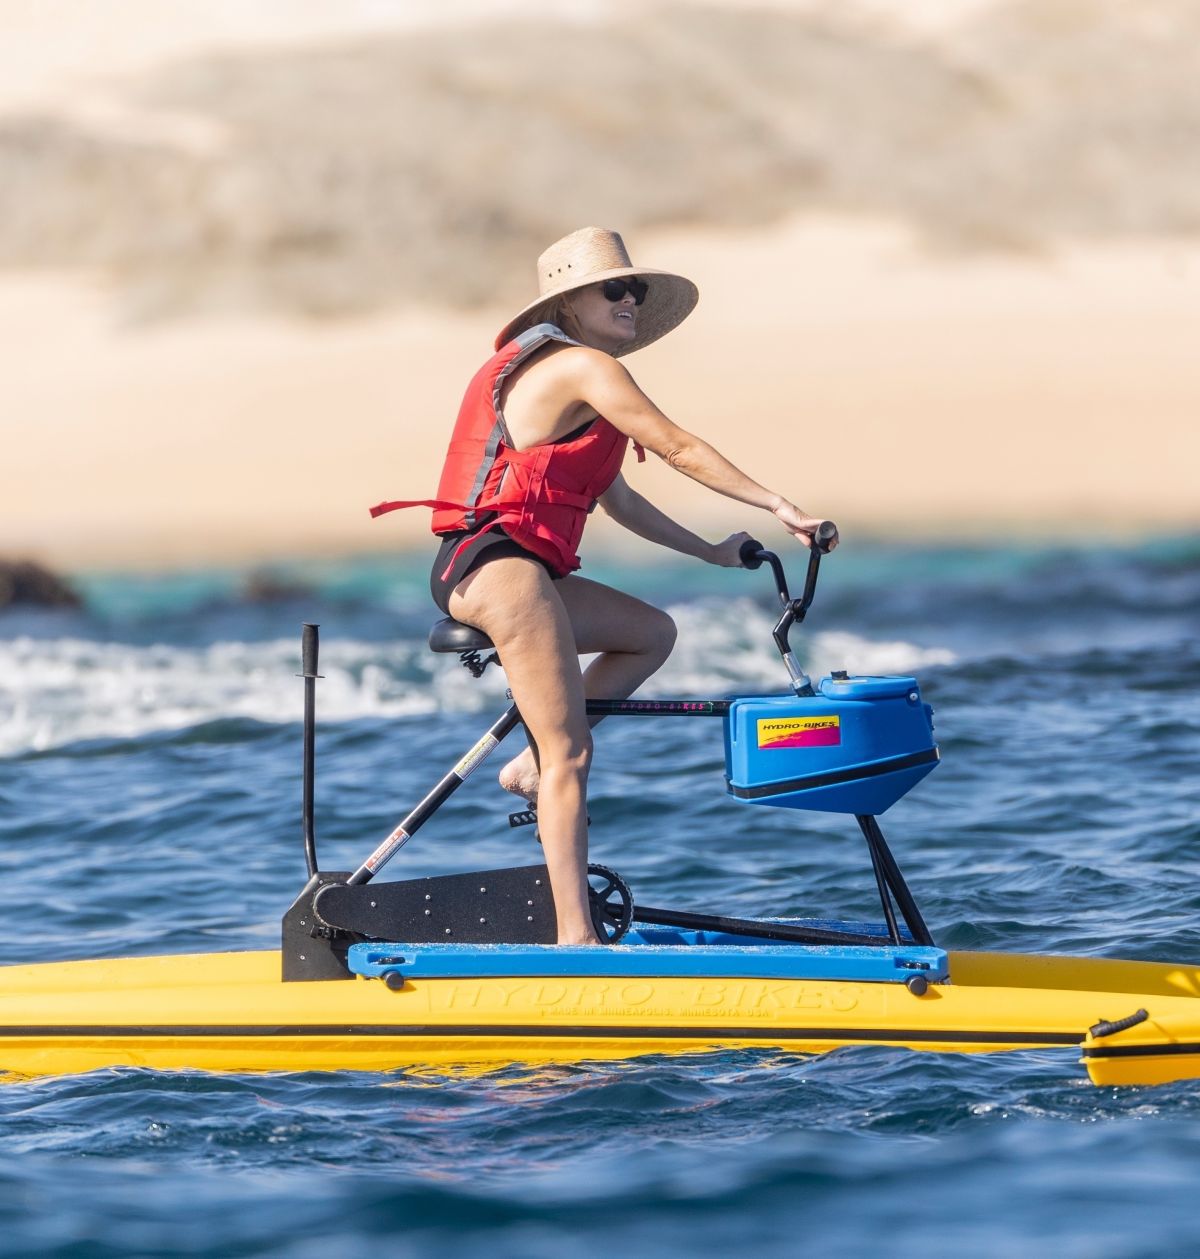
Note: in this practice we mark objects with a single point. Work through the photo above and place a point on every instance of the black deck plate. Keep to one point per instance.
(512, 906)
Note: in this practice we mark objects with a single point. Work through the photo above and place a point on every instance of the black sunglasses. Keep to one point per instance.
(614, 290)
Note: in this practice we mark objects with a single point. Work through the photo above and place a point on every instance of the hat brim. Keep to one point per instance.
(670, 299)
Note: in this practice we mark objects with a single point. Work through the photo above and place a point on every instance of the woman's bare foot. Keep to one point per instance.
(520, 776)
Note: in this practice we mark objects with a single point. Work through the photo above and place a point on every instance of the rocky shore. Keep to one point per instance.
(27, 582)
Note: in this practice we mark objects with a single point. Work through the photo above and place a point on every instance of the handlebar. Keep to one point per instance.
(826, 534)
(753, 555)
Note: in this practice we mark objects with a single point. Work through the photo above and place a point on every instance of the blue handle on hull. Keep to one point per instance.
(654, 953)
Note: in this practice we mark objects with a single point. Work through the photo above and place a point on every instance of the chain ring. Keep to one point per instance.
(610, 901)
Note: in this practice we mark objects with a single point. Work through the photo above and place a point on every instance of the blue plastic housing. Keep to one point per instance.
(856, 746)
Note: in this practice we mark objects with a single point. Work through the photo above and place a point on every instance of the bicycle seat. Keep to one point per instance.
(451, 635)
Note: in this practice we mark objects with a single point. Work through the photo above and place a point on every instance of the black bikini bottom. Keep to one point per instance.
(489, 544)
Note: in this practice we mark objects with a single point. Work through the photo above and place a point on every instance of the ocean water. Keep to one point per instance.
(149, 802)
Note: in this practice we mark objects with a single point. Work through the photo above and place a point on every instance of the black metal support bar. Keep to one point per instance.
(747, 927)
(782, 628)
(885, 897)
(309, 644)
(895, 880)
(657, 707)
(500, 728)
(781, 586)
(810, 582)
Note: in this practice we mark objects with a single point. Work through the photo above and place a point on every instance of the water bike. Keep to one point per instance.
(461, 970)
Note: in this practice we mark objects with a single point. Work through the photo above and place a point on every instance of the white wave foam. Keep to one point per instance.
(836, 650)
(60, 690)
(729, 645)
(57, 691)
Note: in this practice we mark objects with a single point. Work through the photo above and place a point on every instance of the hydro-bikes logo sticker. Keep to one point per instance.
(799, 732)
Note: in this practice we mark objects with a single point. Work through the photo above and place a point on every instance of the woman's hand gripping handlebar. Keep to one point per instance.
(824, 539)
(807, 528)
(753, 555)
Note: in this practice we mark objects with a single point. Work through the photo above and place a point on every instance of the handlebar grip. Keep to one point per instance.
(826, 532)
(750, 553)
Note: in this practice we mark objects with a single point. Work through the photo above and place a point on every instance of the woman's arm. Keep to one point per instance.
(605, 385)
(637, 514)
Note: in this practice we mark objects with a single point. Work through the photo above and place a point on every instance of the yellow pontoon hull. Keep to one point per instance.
(231, 1012)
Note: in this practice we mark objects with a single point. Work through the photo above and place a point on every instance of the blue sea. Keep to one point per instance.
(150, 766)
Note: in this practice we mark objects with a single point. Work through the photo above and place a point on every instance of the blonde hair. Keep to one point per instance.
(559, 313)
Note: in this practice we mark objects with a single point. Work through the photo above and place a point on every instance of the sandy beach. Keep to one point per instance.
(850, 354)
(871, 383)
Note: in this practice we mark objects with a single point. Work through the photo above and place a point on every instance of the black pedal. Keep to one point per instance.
(527, 817)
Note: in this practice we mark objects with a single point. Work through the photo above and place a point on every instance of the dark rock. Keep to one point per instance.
(23, 581)
(265, 587)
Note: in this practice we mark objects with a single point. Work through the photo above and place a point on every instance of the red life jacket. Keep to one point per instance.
(541, 495)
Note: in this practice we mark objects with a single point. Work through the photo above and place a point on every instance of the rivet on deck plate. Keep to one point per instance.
(428, 897)
(483, 920)
(447, 930)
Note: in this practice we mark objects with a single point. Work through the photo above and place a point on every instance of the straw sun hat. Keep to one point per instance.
(589, 256)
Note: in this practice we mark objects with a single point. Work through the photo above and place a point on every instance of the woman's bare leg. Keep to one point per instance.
(633, 639)
(515, 603)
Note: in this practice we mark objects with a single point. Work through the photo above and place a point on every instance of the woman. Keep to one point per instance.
(538, 442)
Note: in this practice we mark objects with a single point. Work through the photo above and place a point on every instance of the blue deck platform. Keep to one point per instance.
(663, 952)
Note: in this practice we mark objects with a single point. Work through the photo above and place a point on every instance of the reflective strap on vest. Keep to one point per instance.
(551, 495)
(458, 550)
(441, 504)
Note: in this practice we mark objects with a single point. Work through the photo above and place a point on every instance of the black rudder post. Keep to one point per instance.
(308, 663)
